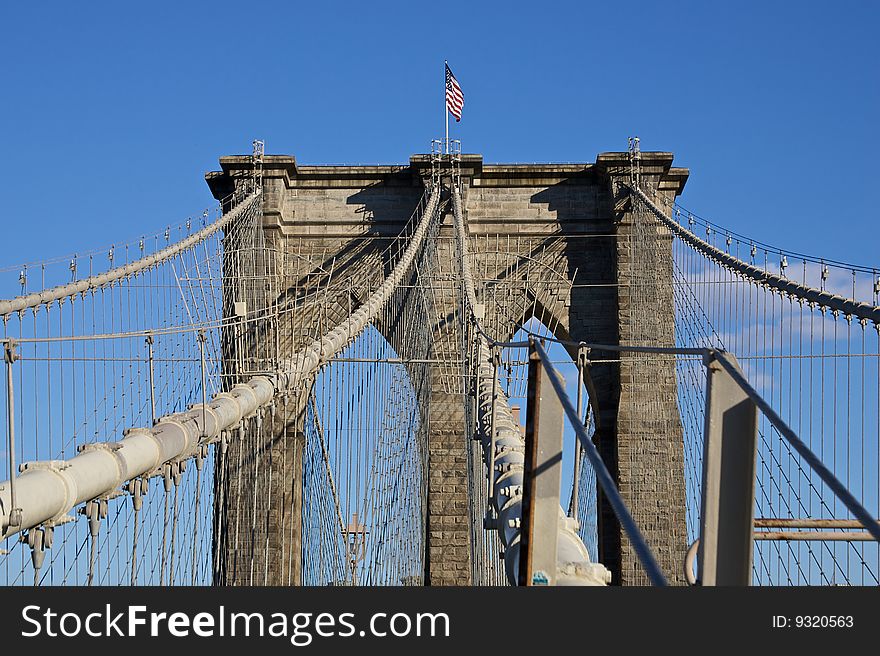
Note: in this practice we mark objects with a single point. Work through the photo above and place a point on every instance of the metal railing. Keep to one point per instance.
(539, 359)
(727, 523)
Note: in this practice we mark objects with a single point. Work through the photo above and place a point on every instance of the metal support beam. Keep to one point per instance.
(13, 517)
(775, 522)
(815, 536)
(729, 454)
(543, 477)
(149, 341)
(576, 473)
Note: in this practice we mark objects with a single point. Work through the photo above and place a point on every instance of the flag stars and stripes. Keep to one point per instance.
(454, 96)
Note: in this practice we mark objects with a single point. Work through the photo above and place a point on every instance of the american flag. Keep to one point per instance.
(454, 96)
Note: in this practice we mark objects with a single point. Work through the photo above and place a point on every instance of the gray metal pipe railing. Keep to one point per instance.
(864, 517)
(827, 476)
(603, 476)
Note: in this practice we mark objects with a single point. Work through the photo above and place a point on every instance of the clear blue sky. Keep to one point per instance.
(111, 112)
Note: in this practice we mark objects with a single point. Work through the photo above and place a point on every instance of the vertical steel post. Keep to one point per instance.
(496, 360)
(445, 105)
(201, 341)
(543, 476)
(729, 454)
(10, 357)
(202, 452)
(149, 341)
(581, 360)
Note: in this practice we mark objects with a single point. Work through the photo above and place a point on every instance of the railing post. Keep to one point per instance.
(10, 356)
(575, 477)
(542, 478)
(729, 454)
(149, 341)
(496, 362)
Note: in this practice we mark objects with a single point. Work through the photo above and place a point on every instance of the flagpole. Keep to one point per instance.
(445, 108)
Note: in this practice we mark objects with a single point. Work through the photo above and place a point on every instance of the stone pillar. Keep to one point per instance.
(259, 502)
(649, 458)
(448, 550)
(258, 480)
(448, 546)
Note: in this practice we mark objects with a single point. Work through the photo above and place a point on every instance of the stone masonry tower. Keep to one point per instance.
(573, 220)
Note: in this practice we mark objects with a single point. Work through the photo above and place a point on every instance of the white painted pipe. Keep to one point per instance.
(46, 491)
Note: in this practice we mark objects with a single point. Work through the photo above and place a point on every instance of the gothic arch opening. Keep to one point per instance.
(578, 489)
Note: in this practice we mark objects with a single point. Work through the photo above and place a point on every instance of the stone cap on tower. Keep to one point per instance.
(236, 167)
(653, 164)
(286, 173)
